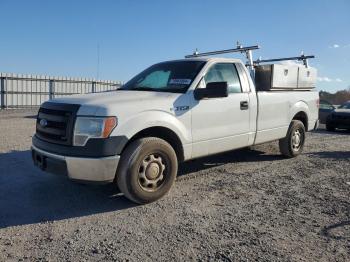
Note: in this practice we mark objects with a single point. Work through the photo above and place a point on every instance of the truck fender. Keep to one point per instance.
(148, 119)
(297, 108)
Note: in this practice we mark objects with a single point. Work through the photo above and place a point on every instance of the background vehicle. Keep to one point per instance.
(325, 110)
(339, 118)
(172, 112)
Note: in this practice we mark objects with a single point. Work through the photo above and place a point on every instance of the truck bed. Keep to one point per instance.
(277, 108)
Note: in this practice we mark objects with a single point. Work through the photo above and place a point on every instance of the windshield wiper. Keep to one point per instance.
(147, 88)
(137, 88)
(143, 88)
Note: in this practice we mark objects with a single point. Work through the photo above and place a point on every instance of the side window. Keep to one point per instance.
(224, 72)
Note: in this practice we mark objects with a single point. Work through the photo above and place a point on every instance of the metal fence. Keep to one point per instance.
(20, 91)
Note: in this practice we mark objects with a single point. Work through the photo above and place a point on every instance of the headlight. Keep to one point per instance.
(92, 127)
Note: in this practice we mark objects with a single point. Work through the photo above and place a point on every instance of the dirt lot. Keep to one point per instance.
(242, 205)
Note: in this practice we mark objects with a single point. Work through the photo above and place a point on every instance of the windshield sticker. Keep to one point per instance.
(180, 81)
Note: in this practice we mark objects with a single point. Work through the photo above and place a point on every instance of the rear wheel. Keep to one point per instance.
(293, 144)
(147, 170)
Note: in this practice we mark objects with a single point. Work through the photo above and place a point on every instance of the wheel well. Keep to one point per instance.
(165, 134)
(301, 116)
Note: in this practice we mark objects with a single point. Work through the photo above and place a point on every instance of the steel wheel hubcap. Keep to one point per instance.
(151, 172)
(296, 139)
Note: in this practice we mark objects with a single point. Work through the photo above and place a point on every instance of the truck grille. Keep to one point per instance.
(55, 122)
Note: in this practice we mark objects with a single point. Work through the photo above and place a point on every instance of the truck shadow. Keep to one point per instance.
(241, 155)
(28, 195)
(336, 132)
(331, 154)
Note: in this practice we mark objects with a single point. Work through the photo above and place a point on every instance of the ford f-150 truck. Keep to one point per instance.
(171, 112)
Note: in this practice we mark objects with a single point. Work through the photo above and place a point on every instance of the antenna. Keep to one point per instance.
(98, 62)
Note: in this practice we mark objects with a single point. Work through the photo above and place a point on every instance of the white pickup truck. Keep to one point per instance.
(172, 112)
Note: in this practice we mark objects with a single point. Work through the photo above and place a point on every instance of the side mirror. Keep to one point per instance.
(212, 90)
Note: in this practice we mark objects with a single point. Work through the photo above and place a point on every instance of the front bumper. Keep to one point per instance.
(89, 169)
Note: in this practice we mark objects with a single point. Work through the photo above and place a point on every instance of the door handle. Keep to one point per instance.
(244, 105)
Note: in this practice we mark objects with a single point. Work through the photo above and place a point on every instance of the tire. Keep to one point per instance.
(293, 144)
(329, 127)
(147, 170)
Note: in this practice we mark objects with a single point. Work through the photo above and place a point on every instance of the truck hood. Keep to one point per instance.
(120, 96)
(109, 103)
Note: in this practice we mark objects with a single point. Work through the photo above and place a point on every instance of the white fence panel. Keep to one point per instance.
(18, 91)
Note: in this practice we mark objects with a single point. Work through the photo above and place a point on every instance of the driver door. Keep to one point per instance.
(220, 124)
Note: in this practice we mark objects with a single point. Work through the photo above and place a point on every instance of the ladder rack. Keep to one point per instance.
(248, 52)
(226, 51)
(303, 58)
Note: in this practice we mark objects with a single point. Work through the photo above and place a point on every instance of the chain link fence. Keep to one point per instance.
(22, 91)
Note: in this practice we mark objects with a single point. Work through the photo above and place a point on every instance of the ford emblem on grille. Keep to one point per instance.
(43, 122)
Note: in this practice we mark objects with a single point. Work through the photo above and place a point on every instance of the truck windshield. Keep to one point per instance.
(174, 77)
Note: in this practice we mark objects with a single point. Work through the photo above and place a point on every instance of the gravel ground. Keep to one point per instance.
(243, 205)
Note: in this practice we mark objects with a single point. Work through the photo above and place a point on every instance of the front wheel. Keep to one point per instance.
(293, 144)
(148, 168)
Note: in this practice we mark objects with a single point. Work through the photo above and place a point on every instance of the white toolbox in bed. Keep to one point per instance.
(279, 77)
